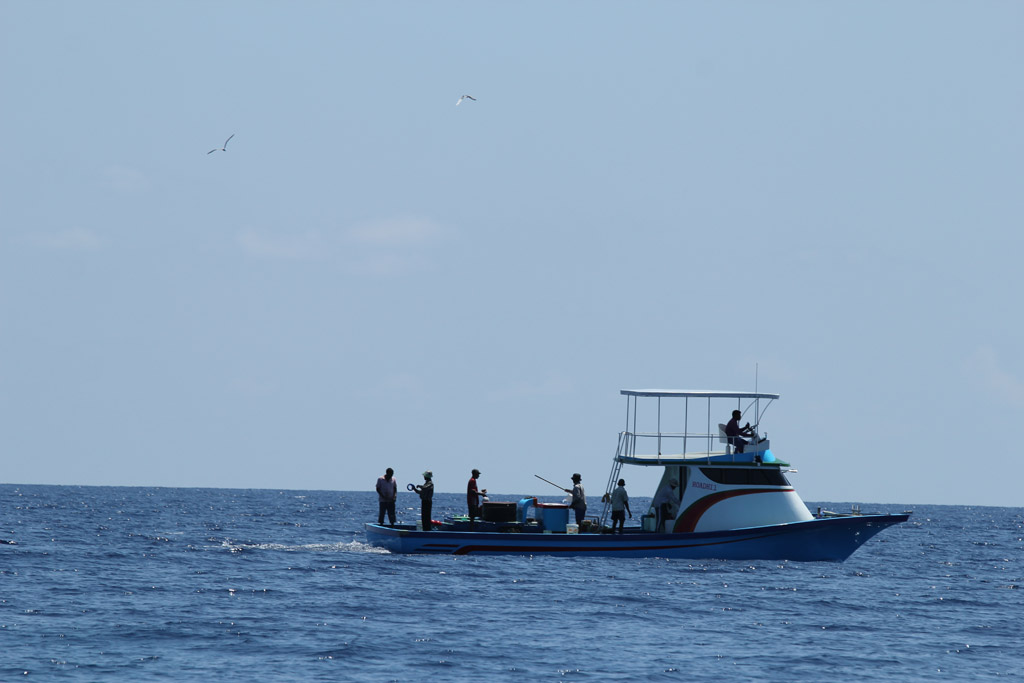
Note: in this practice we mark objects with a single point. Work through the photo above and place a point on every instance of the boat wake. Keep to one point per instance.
(350, 547)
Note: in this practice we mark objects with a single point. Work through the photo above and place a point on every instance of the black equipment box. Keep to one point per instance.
(499, 512)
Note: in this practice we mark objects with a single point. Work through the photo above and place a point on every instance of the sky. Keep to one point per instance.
(820, 200)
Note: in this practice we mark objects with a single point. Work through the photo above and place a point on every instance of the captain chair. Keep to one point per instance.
(722, 438)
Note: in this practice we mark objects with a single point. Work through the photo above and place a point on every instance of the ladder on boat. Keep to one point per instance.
(613, 479)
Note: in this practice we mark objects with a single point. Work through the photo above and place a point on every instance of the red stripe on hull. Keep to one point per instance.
(687, 521)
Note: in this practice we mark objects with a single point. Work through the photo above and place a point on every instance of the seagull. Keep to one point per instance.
(465, 97)
(224, 148)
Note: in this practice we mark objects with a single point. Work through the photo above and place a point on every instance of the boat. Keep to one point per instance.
(731, 500)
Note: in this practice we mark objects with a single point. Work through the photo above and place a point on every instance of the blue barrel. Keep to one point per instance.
(523, 509)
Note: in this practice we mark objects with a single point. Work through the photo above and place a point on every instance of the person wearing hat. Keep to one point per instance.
(426, 491)
(579, 498)
(663, 502)
(473, 497)
(620, 506)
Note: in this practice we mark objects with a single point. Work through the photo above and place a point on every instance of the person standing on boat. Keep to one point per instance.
(620, 506)
(426, 491)
(579, 498)
(387, 492)
(473, 497)
(662, 503)
(734, 433)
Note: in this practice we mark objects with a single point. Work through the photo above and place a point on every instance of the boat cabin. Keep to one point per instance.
(710, 482)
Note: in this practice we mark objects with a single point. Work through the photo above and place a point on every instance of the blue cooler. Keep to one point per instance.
(554, 516)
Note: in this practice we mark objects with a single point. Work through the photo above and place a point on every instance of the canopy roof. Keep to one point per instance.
(671, 393)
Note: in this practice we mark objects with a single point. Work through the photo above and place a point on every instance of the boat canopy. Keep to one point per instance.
(662, 446)
(672, 393)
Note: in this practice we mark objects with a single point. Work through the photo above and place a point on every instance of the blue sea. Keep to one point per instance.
(110, 584)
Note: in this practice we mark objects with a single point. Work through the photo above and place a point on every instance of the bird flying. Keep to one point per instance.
(224, 148)
(465, 97)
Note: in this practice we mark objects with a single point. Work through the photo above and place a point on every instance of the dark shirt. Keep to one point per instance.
(472, 496)
(733, 428)
(579, 498)
(387, 489)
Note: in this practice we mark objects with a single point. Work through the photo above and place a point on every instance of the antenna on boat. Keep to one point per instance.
(757, 405)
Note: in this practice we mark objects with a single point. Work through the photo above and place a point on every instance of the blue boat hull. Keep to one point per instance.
(832, 539)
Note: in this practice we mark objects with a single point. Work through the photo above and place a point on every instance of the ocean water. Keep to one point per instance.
(108, 584)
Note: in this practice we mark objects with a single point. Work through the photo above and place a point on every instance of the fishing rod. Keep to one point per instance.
(558, 486)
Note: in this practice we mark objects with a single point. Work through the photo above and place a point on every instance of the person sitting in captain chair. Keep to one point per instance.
(734, 433)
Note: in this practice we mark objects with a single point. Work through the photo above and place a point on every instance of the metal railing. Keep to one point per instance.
(631, 438)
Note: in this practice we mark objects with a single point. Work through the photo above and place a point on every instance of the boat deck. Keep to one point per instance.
(716, 457)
